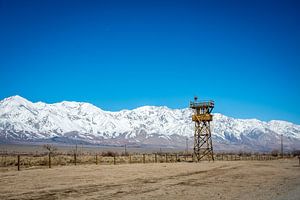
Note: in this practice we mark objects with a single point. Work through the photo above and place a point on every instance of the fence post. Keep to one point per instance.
(18, 162)
(144, 158)
(75, 158)
(166, 158)
(114, 159)
(4, 163)
(49, 159)
(96, 159)
(176, 157)
(156, 158)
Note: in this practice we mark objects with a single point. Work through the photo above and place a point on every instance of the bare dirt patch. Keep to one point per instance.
(278, 179)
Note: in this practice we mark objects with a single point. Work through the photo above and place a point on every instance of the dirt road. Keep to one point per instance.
(278, 179)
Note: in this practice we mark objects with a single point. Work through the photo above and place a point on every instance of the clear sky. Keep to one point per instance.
(245, 55)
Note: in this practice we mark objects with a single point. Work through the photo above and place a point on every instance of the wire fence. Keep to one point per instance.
(47, 160)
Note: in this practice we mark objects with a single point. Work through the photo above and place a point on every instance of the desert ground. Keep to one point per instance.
(277, 179)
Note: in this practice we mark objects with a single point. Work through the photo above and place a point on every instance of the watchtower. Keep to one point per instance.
(202, 138)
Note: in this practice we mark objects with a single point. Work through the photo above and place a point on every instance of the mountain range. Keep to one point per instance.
(22, 121)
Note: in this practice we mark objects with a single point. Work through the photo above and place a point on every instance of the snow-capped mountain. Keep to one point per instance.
(22, 120)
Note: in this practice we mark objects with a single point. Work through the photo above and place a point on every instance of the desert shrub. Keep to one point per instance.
(275, 152)
(50, 148)
(124, 154)
(296, 152)
(109, 153)
(160, 153)
(244, 153)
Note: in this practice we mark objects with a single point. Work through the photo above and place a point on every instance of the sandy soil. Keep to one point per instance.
(278, 179)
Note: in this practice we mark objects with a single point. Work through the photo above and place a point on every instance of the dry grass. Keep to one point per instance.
(9, 162)
(26, 161)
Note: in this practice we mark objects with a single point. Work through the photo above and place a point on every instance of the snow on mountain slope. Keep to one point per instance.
(21, 119)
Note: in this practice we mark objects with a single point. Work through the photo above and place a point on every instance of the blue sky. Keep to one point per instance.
(123, 54)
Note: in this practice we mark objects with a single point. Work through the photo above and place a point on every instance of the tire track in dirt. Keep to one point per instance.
(133, 187)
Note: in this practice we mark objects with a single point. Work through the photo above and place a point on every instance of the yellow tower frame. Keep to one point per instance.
(202, 137)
